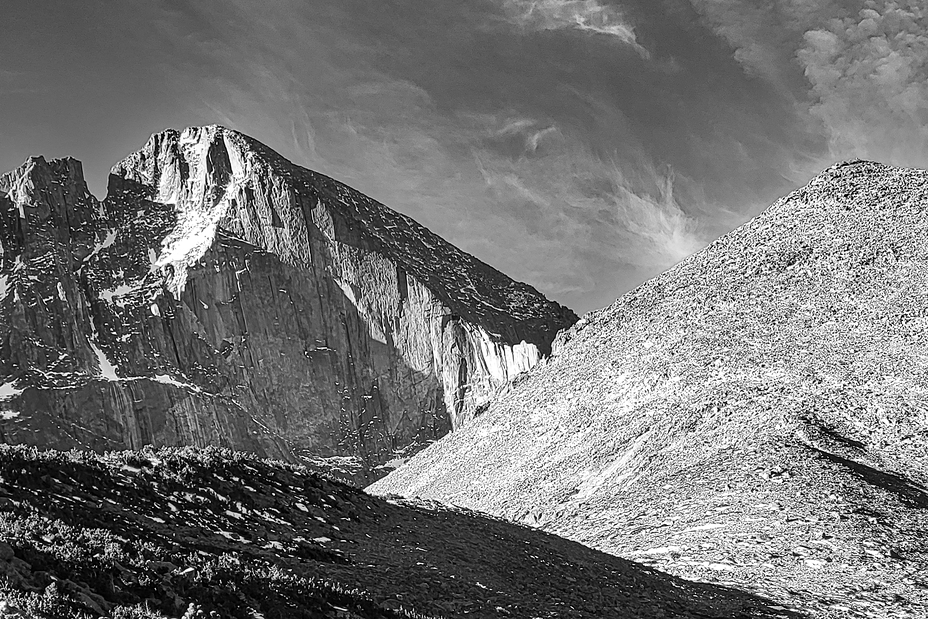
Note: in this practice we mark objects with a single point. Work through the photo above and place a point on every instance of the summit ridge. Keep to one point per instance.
(757, 414)
(221, 295)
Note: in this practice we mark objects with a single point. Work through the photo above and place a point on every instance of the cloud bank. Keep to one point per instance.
(869, 78)
(864, 64)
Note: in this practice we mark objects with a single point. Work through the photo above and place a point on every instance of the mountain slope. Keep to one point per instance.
(149, 534)
(756, 415)
(222, 295)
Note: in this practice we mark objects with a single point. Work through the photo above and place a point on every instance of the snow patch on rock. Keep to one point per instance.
(119, 291)
(167, 379)
(9, 391)
(107, 369)
(107, 242)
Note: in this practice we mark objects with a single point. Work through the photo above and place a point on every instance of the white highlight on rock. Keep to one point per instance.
(661, 550)
(505, 362)
(613, 473)
(105, 243)
(118, 291)
(166, 379)
(198, 222)
(703, 527)
(107, 369)
(9, 391)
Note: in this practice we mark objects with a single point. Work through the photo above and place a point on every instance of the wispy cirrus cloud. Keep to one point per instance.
(540, 136)
(571, 193)
(583, 15)
(515, 185)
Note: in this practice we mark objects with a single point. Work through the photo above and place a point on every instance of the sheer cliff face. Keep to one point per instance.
(222, 295)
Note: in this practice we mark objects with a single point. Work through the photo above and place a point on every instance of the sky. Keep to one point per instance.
(581, 146)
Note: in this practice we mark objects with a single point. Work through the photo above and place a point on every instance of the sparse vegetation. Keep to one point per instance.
(70, 566)
(202, 533)
(754, 416)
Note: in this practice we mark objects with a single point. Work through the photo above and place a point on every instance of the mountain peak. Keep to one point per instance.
(37, 170)
(782, 367)
(222, 295)
(209, 173)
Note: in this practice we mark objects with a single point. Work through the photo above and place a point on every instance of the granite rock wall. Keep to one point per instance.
(220, 295)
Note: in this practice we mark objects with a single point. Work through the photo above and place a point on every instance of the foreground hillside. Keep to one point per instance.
(221, 295)
(206, 533)
(757, 415)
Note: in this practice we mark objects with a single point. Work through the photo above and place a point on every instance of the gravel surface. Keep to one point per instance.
(755, 416)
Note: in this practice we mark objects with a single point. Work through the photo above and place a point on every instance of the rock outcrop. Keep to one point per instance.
(757, 414)
(221, 295)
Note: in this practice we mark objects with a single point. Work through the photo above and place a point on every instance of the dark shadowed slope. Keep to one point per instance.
(757, 415)
(221, 295)
(83, 535)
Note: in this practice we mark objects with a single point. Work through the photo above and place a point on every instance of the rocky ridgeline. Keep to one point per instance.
(221, 295)
(756, 415)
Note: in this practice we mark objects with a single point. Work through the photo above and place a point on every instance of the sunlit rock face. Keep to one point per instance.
(756, 414)
(222, 295)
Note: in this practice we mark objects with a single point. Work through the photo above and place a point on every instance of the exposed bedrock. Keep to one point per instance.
(222, 295)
